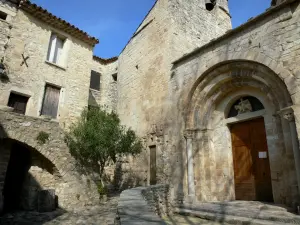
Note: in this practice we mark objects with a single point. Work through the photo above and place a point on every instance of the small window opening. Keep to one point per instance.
(3, 15)
(95, 80)
(244, 105)
(18, 103)
(115, 77)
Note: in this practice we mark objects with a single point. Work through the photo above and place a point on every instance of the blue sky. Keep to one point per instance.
(114, 21)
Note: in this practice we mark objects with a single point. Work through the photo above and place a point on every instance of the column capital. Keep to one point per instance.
(189, 134)
(287, 114)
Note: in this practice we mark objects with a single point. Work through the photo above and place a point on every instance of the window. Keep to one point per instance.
(50, 101)
(18, 102)
(115, 77)
(55, 51)
(3, 15)
(95, 80)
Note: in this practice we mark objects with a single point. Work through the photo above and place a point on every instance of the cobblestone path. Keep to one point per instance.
(186, 220)
(102, 214)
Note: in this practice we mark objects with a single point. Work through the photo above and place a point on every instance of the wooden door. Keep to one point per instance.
(51, 100)
(251, 163)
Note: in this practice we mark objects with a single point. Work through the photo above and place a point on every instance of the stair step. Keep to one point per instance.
(254, 210)
(231, 219)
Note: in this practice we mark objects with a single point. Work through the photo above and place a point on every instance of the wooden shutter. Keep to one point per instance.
(18, 102)
(51, 99)
(51, 49)
(58, 50)
(95, 80)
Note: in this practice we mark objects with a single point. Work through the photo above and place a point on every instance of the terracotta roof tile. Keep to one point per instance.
(56, 22)
(105, 61)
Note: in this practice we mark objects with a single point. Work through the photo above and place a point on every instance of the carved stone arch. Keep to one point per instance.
(207, 106)
(228, 76)
(255, 57)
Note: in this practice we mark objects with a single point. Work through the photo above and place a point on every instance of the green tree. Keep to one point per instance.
(98, 138)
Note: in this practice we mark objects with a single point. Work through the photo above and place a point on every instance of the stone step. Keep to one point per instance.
(253, 210)
(230, 219)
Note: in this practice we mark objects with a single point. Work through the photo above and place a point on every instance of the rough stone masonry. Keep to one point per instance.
(179, 83)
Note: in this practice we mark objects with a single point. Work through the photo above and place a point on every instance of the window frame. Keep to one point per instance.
(93, 86)
(53, 86)
(55, 55)
(16, 94)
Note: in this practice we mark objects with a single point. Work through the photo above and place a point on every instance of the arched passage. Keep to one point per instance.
(27, 173)
(74, 188)
(209, 104)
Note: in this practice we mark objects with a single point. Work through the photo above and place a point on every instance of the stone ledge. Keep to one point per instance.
(134, 209)
(9, 114)
(6, 108)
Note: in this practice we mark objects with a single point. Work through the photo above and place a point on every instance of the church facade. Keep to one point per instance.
(220, 122)
(217, 108)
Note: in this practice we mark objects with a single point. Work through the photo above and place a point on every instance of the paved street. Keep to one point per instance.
(186, 220)
(102, 214)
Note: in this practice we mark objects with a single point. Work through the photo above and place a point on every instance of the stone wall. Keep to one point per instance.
(30, 79)
(42, 175)
(5, 25)
(107, 96)
(158, 198)
(171, 29)
(73, 189)
(270, 40)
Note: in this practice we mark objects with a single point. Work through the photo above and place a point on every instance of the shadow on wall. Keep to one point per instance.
(125, 178)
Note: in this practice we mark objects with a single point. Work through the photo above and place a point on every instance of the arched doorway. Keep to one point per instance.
(217, 128)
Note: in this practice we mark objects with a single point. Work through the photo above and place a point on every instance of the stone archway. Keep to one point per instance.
(209, 136)
(27, 175)
(75, 189)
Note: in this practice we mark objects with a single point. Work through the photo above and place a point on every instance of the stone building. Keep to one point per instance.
(217, 107)
(48, 76)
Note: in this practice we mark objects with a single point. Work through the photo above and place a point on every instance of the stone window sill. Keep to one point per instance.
(47, 118)
(57, 66)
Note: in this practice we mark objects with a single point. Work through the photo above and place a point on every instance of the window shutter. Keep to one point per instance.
(51, 50)
(95, 80)
(58, 49)
(51, 100)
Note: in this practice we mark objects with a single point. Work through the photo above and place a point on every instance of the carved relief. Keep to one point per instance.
(244, 106)
(189, 134)
(289, 116)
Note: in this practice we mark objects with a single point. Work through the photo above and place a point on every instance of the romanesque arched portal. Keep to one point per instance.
(209, 128)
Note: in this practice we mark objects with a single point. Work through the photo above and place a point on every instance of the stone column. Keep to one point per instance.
(190, 163)
(289, 116)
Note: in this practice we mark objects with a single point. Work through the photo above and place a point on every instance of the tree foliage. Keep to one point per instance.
(98, 138)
